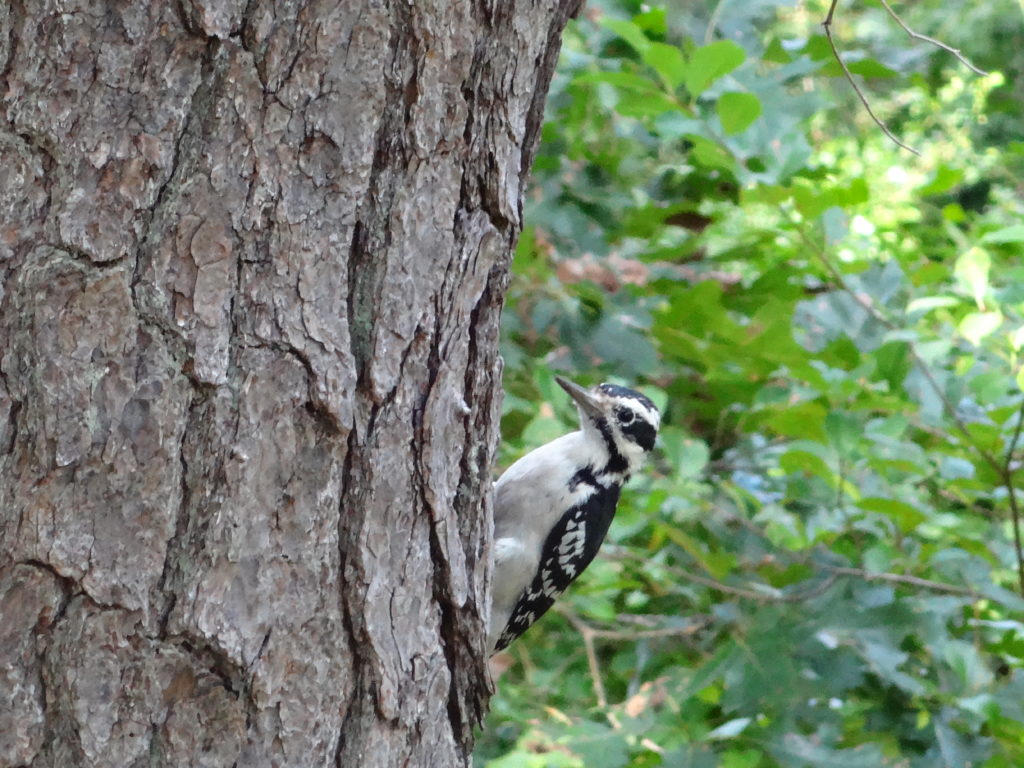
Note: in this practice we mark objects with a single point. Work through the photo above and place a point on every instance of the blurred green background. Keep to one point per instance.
(819, 568)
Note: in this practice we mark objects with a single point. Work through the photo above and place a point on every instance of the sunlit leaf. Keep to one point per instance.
(1011, 234)
(737, 110)
(975, 326)
(710, 62)
(730, 729)
(928, 303)
(945, 177)
(972, 270)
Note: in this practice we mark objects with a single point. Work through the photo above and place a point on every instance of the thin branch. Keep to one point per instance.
(587, 634)
(1012, 446)
(746, 594)
(626, 635)
(899, 578)
(699, 622)
(1015, 518)
(937, 43)
(835, 571)
(827, 24)
(709, 33)
(1007, 477)
(762, 597)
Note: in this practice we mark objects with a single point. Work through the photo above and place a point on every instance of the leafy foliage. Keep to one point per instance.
(820, 568)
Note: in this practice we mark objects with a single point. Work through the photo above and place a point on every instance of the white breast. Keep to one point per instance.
(529, 498)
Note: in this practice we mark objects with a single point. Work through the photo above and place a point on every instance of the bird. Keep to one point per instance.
(553, 507)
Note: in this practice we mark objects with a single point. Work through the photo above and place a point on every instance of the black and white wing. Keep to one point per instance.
(568, 549)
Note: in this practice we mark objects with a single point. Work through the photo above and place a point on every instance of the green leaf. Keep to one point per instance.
(965, 661)
(643, 105)
(906, 516)
(799, 420)
(796, 461)
(944, 178)
(653, 22)
(977, 325)
(710, 154)
(798, 751)
(626, 81)
(730, 729)
(1016, 338)
(1011, 234)
(871, 68)
(717, 564)
(628, 31)
(667, 61)
(688, 456)
(553, 758)
(928, 303)
(597, 744)
(843, 430)
(737, 111)
(972, 271)
(542, 430)
(710, 62)
(722, 663)
(776, 52)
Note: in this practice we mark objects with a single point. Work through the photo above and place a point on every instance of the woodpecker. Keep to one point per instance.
(553, 507)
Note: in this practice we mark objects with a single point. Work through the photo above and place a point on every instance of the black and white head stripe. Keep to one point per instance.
(636, 416)
(626, 421)
(614, 390)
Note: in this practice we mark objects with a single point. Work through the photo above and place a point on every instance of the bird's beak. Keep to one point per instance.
(585, 400)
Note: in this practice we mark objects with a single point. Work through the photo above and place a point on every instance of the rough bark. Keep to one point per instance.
(252, 256)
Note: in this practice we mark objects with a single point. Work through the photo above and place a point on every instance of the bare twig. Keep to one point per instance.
(762, 597)
(709, 33)
(631, 635)
(827, 24)
(925, 39)
(1007, 478)
(627, 635)
(899, 578)
(836, 571)
(587, 634)
(746, 594)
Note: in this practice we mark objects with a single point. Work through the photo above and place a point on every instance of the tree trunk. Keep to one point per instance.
(252, 256)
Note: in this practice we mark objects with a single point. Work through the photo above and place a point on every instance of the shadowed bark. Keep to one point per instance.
(252, 256)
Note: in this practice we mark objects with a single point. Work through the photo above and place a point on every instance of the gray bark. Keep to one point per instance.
(252, 256)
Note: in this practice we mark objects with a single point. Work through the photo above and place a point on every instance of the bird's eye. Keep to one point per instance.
(626, 417)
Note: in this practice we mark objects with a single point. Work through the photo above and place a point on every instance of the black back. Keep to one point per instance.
(561, 566)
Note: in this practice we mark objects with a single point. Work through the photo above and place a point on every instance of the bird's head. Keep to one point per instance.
(623, 419)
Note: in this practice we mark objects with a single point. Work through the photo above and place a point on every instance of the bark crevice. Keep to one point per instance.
(248, 406)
